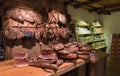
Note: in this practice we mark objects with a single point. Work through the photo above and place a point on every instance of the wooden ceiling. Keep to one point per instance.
(99, 6)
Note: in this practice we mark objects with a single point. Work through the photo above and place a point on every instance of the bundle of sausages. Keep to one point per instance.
(24, 22)
(72, 51)
(20, 22)
(23, 14)
(56, 17)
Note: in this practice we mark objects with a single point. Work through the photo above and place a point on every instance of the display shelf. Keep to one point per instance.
(95, 38)
(98, 33)
(84, 35)
(98, 40)
(89, 42)
(83, 26)
(98, 48)
(115, 47)
(96, 27)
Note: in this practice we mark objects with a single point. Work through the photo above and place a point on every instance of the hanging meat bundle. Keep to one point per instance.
(20, 22)
(56, 17)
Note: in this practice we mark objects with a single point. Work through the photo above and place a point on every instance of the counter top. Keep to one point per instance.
(7, 69)
(98, 57)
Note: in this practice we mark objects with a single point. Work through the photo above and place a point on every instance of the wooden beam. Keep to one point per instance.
(112, 5)
(115, 10)
(93, 1)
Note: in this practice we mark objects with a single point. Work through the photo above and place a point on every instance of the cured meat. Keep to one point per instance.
(23, 14)
(46, 61)
(68, 45)
(69, 56)
(46, 65)
(64, 33)
(53, 16)
(59, 62)
(33, 59)
(10, 32)
(73, 46)
(68, 50)
(82, 53)
(38, 33)
(20, 63)
(87, 48)
(81, 44)
(74, 43)
(83, 56)
(73, 61)
(29, 15)
(47, 53)
(64, 51)
(16, 14)
(58, 46)
(73, 49)
(62, 18)
(20, 55)
(48, 56)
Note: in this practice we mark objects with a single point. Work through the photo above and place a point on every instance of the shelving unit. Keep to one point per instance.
(95, 37)
(98, 36)
(115, 46)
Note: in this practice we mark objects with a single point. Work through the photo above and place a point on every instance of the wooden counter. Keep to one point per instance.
(97, 66)
(7, 69)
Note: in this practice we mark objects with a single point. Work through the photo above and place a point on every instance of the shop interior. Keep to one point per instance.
(59, 37)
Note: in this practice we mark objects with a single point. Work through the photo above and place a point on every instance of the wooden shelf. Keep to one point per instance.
(97, 33)
(100, 47)
(83, 34)
(99, 40)
(96, 26)
(89, 42)
(83, 26)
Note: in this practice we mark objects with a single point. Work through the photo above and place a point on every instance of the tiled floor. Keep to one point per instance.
(113, 67)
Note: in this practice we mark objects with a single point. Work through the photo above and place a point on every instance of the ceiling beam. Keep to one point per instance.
(93, 1)
(107, 7)
(112, 5)
(114, 9)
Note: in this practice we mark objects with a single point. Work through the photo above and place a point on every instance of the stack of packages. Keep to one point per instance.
(72, 51)
(47, 59)
(20, 57)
